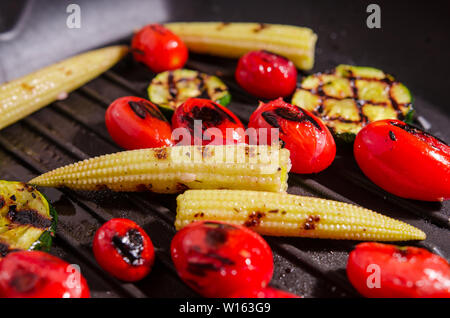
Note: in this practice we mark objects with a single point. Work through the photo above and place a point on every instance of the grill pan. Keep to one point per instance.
(73, 129)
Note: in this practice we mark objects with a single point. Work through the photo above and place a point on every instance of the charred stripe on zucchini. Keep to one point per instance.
(27, 220)
(350, 97)
(172, 88)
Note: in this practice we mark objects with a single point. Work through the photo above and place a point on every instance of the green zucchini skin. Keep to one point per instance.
(170, 89)
(27, 220)
(349, 97)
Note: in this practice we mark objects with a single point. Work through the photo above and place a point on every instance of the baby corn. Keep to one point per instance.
(236, 39)
(175, 169)
(282, 214)
(25, 95)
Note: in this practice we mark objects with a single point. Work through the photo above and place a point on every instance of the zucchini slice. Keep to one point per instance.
(349, 97)
(172, 88)
(27, 219)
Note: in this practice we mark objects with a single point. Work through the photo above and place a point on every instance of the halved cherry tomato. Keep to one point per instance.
(217, 259)
(267, 75)
(159, 48)
(386, 271)
(267, 292)
(216, 124)
(136, 123)
(123, 249)
(310, 142)
(404, 160)
(35, 274)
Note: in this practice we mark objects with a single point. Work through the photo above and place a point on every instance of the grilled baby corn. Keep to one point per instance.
(236, 39)
(26, 95)
(282, 214)
(175, 169)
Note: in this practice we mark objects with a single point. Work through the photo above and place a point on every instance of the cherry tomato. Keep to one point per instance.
(404, 160)
(267, 75)
(217, 124)
(35, 274)
(124, 250)
(136, 123)
(159, 48)
(387, 271)
(309, 141)
(267, 292)
(217, 259)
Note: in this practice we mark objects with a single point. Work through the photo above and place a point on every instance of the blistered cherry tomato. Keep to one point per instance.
(404, 160)
(215, 124)
(386, 271)
(35, 274)
(136, 123)
(159, 48)
(309, 141)
(267, 292)
(267, 75)
(124, 250)
(217, 259)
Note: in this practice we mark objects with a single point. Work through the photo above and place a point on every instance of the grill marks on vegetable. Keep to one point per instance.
(28, 217)
(272, 117)
(210, 116)
(311, 222)
(141, 109)
(130, 246)
(435, 142)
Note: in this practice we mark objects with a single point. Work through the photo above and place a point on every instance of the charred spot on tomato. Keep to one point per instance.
(215, 225)
(137, 51)
(392, 135)
(139, 108)
(208, 262)
(254, 219)
(299, 116)
(24, 281)
(311, 222)
(130, 246)
(216, 237)
(28, 217)
(161, 153)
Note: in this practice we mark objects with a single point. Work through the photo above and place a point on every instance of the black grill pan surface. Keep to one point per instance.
(73, 129)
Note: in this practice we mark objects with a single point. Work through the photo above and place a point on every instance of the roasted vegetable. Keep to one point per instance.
(123, 249)
(282, 214)
(202, 122)
(27, 221)
(309, 141)
(26, 95)
(388, 271)
(136, 123)
(236, 39)
(35, 274)
(171, 89)
(267, 75)
(404, 160)
(158, 48)
(350, 97)
(217, 259)
(175, 169)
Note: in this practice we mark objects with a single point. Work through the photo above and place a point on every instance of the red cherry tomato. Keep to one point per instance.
(136, 123)
(217, 259)
(267, 75)
(387, 271)
(159, 48)
(34, 274)
(309, 141)
(404, 160)
(124, 250)
(267, 292)
(217, 124)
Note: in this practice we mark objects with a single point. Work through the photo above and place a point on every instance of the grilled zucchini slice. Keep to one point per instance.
(27, 219)
(349, 97)
(172, 88)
